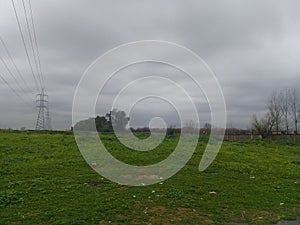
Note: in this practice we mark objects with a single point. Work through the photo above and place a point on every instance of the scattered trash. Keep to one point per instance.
(153, 191)
(212, 193)
(252, 177)
(94, 164)
(281, 203)
(134, 196)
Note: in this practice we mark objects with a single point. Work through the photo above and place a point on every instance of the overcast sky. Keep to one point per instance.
(252, 46)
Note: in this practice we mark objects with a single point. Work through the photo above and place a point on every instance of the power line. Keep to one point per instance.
(14, 64)
(14, 91)
(9, 71)
(24, 44)
(43, 120)
(31, 44)
(36, 43)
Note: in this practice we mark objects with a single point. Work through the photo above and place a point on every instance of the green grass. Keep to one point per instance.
(45, 180)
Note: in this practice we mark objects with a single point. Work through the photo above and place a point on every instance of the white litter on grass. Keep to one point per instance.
(161, 183)
(281, 203)
(134, 196)
(153, 191)
(212, 193)
(253, 177)
(93, 164)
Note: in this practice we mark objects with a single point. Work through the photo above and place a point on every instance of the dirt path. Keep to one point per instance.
(290, 222)
(294, 222)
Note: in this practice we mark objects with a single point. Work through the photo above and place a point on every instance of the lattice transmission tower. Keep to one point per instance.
(43, 121)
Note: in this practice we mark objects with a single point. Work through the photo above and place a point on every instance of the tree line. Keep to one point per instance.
(282, 116)
(113, 119)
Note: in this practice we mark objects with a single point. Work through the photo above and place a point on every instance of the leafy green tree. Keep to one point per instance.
(102, 125)
(118, 119)
(85, 125)
(114, 119)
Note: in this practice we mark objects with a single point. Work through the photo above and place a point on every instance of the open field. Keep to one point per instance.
(45, 180)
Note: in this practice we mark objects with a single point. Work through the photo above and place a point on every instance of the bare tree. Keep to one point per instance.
(264, 125)
(298, 115)
(275, 109)
(294, 104)
(285, 106)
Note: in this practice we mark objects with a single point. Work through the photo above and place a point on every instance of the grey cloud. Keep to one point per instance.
(252, 46)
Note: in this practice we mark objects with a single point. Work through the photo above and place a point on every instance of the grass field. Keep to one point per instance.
(45, 180)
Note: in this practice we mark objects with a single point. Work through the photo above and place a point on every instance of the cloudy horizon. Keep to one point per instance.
(253, 48)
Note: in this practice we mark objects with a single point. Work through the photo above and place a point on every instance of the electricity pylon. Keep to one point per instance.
(43, 121)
